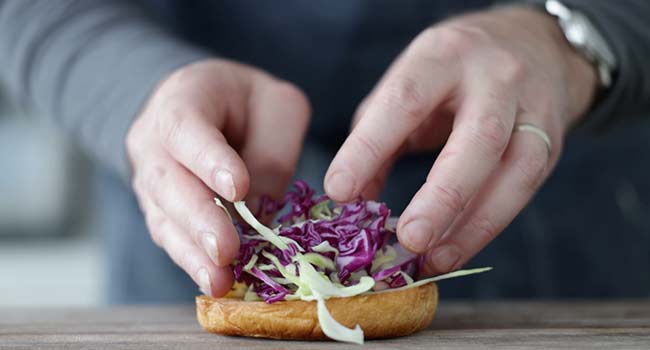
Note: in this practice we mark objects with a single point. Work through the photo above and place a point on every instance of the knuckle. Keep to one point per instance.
(512, 69)
(449, 195)
(532, 166)
(483, 229)
(369, 147)
(170, 127)
(132, 140)
(491, 133)
(136, 140)
(184, 75)
(404, 94)
(137, 183)
(447, 42)
(455, 39)
(156, 237)
(156, 229)
(186, 260)
(295, 97)
(156, 221)
(152, 183)
(202, 158)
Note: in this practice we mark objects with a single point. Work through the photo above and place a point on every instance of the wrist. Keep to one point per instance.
(580, 75)
(582, 80)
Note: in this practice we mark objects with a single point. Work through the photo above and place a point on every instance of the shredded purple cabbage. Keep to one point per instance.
(357, 230)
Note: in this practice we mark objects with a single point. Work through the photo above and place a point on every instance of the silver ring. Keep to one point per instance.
(530, 127)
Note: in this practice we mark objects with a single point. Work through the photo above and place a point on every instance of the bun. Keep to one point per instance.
(380, 315)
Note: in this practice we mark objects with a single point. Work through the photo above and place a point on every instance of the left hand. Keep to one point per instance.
(466, 83)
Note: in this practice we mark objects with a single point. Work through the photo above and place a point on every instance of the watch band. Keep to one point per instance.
(585, 37)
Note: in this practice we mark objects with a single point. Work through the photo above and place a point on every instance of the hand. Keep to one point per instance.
(211, 127)
(465, 83)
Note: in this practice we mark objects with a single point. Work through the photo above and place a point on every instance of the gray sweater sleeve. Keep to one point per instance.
(626, 27)
(87, 64)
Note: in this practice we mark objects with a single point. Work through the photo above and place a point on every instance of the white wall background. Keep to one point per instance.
(48, 256)
(57, 272)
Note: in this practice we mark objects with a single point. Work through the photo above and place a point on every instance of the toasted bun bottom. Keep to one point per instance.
(380, 315)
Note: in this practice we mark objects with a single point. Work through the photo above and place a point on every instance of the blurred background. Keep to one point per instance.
(45, 216)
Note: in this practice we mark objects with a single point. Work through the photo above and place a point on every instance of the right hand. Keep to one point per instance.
(212, 126)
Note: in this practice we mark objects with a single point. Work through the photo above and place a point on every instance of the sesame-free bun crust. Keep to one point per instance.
(380, 315)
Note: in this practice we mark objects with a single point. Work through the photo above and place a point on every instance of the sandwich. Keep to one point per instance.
(326, 270)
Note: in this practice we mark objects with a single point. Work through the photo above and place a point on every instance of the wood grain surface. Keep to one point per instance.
(458, 325)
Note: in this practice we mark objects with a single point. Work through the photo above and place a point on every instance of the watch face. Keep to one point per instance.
(586, 38)
(576, 33)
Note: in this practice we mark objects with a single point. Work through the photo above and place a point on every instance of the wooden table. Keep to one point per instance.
(498, 325)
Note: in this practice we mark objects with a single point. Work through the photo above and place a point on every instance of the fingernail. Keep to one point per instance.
(340, 185)
(445, 259)
(418, 234)
(210, 245)
(204, 281)
(225, 184)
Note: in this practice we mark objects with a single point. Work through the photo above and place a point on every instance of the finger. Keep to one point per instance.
(373, 189)
(409, 93)
(153, 217)
(189, 204)
(190, 137)
(212, 280)
(524, 167)
(431, 134)
(278, 120)
(481, 132)
(377, 184)
(362, 108)
(431, 138)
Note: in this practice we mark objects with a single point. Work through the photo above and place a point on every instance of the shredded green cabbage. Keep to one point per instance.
(316, 286)
(220, 204)
(265, 267)
(322, 285)
(266, 232)
(335, 330)
(291, 276)
(251, 263)
(319, 260)
(310, 281)
(458, 273)
(251, 295)
(321, 211)
(325, 247)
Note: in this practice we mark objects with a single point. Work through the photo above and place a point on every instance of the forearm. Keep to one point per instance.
(87, 64)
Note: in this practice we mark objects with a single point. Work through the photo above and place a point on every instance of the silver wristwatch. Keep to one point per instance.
(585, 38)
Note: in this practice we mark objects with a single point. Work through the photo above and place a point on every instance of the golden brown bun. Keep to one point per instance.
(380, 315)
